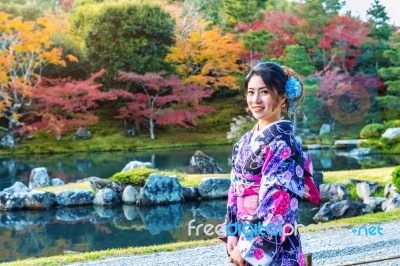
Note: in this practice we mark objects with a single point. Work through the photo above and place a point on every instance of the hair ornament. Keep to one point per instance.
(293, 91)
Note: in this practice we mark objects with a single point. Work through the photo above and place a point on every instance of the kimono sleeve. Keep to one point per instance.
(278, 204)
(231, 213)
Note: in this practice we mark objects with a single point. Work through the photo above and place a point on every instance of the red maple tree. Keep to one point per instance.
(162, 100)
(62, 105)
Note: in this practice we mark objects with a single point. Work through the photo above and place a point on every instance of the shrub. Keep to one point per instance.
(372, 131)
(136, 177)
(392, 123)
(353, 191)
(379, 192)
(396, 178)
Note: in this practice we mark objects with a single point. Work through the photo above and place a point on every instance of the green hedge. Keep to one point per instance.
(396, 178)
(372, 131)
(136, 177)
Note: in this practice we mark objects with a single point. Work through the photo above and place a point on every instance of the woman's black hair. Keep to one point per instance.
(274, 77)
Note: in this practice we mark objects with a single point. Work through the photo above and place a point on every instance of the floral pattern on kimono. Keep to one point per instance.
(270, 166)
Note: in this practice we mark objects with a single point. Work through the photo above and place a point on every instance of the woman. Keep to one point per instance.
(270, 173)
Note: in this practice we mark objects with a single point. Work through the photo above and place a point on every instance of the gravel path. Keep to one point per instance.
(330, 248)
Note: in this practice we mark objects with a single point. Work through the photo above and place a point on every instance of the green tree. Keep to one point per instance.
(372, 57)
(246, 11)
(127, 36)
(29, 9)
(255, 42)
(391, 75)
(297, 58)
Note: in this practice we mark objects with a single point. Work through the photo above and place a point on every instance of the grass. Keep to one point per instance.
(380, 175)
(97, 255)
(108, 133)
(58, 189)
(193, 180)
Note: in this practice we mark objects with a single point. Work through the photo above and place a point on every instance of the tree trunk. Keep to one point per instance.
(152, 129)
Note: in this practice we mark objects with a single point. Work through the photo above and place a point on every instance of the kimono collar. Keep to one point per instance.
(272, 130)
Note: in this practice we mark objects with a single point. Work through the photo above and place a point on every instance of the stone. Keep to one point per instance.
(339, 209)
(391, 204)
(39, 178)
(160, 190)
(392, 133)
(130, 195)
(375, 203)
(346, 143)
(7, 141)
(98, 184)
(214, 187)
(38, 200)
(366, 189)
(12, 202)
(18, 187)
(56, 182)
(136, 164)
(200, 163)
(74, 197)
(333, 191)
(105, 197)
(82, 133)
(325, 129)
(390, 191)
(318, 178)
(191, 193)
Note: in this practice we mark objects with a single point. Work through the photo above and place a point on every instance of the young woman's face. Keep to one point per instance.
(261, 103)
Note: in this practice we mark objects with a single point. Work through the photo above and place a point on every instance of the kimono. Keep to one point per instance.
(270, 174)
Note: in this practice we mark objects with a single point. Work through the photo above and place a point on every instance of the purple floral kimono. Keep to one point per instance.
(270, 173)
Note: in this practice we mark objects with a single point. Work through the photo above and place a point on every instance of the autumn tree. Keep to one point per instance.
(279, 27)
(203, 55)
(63, 105)
(341, 40)
(160, 100)
(347, 97)
(124, 36)
(26, 49)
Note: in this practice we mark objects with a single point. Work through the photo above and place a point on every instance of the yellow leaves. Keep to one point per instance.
(16, 116)
(208, 58)
(72, 58)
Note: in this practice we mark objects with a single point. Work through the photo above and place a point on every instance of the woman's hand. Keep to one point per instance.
(236, 257)
(231, 243)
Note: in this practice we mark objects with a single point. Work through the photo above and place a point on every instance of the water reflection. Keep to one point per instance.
(28, 233)
(71, 167)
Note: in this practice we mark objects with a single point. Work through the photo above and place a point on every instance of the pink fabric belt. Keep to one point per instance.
(246, 189)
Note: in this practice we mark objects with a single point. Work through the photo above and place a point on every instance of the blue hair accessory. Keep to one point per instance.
(293, 91)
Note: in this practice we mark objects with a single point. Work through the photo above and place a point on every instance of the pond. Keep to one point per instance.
(70, 167)
(64, 230)
(33, 234)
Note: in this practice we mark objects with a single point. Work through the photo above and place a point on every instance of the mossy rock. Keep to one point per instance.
(136, 177)
(372, 131)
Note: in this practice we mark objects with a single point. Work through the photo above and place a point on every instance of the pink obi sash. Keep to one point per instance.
(246, 189)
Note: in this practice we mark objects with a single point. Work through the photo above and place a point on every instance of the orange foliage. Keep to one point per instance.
(27, 48)
(204, 56)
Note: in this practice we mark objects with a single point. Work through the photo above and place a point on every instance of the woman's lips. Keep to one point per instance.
(258, 108)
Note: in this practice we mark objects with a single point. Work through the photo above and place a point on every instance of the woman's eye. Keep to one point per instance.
(250, 92)
(264, 91)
